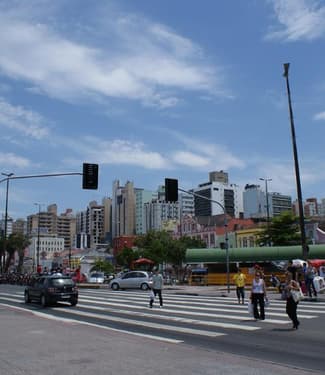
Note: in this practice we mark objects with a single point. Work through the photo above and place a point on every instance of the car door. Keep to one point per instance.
(36, 290)
(126, 280)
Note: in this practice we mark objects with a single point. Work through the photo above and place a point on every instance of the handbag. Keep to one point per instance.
(297, 295)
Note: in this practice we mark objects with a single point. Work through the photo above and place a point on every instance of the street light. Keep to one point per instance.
(295, 155)
(226, 247)
(8, 175)
(266, 180)
(38, 234)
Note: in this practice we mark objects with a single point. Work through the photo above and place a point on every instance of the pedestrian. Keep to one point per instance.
(310, 274)
(291, 304)
(157, 286)
(240, 280)
(292, 269)
(258, 295)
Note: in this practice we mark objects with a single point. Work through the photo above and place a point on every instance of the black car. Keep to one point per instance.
(50, 289)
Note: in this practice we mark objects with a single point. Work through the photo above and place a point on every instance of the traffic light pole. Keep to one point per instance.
(226, 230)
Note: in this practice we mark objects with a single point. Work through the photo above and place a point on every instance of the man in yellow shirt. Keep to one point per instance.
(240, 280)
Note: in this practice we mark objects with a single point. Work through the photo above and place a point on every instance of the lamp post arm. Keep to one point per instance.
(226, 231)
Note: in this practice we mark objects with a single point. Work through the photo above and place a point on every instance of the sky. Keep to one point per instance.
(151, 89)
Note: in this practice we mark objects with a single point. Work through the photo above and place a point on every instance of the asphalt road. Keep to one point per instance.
(80, 341)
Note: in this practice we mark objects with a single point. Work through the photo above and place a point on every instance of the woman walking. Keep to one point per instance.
(258, 294)
(291, 305)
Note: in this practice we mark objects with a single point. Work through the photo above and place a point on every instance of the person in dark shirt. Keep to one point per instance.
(292, 269)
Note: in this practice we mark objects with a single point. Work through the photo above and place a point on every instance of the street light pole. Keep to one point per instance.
(295, 155)
(226, 230)
(8, 175)
(38, 234)
(266, 180)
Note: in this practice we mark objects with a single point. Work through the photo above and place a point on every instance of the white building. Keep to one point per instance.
(218, 195)
(48, 247)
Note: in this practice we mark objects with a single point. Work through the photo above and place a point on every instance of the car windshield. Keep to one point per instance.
(61, 282)
(97, 275)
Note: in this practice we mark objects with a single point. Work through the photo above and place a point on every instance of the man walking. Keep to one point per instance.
(240, 279)
(157, 285)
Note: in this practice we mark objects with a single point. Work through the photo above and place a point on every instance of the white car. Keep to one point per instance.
(132, 280)
(96, 277)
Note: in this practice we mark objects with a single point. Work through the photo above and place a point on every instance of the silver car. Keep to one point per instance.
(96, 277)
(132, 280)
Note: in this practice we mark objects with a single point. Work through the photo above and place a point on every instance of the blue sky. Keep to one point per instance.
(153, 89)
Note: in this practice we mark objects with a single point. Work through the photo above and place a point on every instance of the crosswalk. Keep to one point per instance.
(181, 315)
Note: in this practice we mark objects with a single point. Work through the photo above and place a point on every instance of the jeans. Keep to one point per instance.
(291, 310)
(310, 285)
(155, 292)
(240, 290)
(258, 299)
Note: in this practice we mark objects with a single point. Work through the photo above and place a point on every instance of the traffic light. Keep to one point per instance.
(171, 190)
(90, 176)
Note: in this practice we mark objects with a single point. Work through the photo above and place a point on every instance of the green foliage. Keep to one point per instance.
(126, 256)
(283, 230)
(102, 265)
(16, 242)
(160, 247)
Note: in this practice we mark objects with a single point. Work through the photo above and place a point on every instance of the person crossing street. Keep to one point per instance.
(157, 286)
(240, 280)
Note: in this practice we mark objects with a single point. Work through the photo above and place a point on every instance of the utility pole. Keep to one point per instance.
(226, 230)
(266, 180)
(3, 266)
(295, 155)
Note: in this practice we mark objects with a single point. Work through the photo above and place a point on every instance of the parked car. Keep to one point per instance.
(50, 289)
(132, 279)
(96, 277)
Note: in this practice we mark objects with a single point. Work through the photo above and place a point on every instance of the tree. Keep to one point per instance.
(102, 265)
(154, 245)
(126, 256)
(283, 230)
(16, 242)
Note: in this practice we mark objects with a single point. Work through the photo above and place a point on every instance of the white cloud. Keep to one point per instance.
(320, 116)
(140, 61)
(26, 122)
(11, 160)
(299, 19)
(190, 159)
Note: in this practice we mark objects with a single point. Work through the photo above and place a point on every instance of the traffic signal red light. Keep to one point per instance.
(90, 176)
(171, 190)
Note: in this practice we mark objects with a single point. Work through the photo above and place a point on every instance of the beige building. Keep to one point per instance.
(49, 223)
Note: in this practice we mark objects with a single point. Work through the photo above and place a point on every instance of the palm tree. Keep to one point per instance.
(16, 242)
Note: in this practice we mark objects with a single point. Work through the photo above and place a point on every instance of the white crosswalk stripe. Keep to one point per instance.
(181, 314)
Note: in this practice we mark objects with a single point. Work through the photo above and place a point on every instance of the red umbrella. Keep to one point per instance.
(317, 262)
(143, 260)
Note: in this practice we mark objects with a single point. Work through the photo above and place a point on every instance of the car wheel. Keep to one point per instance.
(115, 286)
(144, 286)
(43, 301)
(73, 301)
(27, 299)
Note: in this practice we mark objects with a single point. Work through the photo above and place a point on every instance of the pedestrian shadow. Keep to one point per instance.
(282, 329)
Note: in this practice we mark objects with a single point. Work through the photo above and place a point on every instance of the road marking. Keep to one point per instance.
(175, 319)
(53, 317)
(148, 324)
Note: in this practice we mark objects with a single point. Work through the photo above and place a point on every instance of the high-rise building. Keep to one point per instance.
(48, 222)
(258, 206)
(161, 215)
(142, 197)
(123, 209)
(218, 196)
